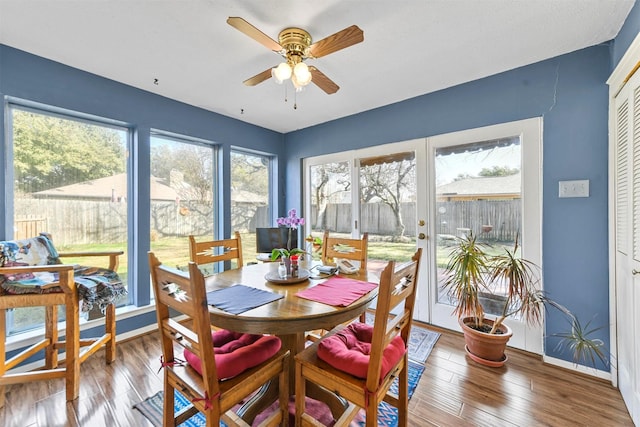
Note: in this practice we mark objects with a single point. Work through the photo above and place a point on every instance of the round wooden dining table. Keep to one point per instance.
(289, 318)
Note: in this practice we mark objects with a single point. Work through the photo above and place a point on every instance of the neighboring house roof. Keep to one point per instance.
(112, 187)
(115, 188)
(482, 187)
(244, 196)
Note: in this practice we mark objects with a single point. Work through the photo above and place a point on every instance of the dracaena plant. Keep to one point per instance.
(471, 271)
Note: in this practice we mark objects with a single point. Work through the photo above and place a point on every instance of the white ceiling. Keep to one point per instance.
(411, 47)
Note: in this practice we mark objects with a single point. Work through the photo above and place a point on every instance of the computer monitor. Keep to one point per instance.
(268, 239)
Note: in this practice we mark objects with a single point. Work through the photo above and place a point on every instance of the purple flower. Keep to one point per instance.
(291, 220)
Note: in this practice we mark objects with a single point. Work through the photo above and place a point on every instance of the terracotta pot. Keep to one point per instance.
(484, 348)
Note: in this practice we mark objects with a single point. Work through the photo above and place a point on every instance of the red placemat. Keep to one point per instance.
(338, 291)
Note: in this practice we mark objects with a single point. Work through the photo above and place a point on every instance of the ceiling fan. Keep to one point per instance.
(295, 46)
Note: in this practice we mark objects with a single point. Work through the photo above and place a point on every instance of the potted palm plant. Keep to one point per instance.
(510, 282)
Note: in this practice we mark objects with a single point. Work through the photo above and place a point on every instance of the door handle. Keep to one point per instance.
(422, 236)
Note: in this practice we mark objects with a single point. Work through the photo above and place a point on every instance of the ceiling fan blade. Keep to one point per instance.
(248, 29)
(322, 81)
(345, 38)
(258, 78)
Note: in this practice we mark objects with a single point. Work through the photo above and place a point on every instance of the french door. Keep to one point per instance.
(480, 184)
(425, 192)
(374, 191)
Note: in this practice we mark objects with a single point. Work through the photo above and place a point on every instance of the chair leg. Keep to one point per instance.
(72, 347)
(110, 329)
(3, 349)
(403, 394)
(168, 412)
(283, 387)
(51, 335)
(300, 394)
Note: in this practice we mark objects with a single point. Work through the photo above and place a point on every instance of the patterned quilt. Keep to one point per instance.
(96, 286)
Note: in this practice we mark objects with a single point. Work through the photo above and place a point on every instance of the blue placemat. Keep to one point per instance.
(237, 299)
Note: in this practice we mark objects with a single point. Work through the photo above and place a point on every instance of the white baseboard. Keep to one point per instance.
(605, 375)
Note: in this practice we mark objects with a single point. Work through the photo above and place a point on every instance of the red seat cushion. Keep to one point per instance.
(236, 352)
(349, 350)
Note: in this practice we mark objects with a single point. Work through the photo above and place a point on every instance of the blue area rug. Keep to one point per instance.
(151, 407)
(421, 343)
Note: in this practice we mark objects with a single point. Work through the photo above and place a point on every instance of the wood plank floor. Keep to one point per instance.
(453, 391)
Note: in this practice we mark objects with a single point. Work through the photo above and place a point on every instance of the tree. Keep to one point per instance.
(462, 176)
(51, 152)
(250, 173)
(327, 181)
(389, 183)
(187, 168)
(250, 187)
(498, 171)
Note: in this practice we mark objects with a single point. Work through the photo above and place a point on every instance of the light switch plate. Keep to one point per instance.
(579, 188)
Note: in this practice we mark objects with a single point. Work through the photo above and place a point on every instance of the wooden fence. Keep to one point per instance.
(497, 220)
(86, 222)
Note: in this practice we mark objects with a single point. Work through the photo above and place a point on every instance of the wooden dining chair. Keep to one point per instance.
(334, 248)
(212, 251)
(344, 248)
(24, 264)
(359, 362)
(213, 381)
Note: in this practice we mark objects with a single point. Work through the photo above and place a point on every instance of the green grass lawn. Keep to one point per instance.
(174, 251)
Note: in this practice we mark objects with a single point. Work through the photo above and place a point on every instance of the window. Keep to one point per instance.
(67, 176)
(250, 195)
(182, 196)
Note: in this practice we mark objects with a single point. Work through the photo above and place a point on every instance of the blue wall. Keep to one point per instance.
(626, 35)
(570, 93)
(29, 78)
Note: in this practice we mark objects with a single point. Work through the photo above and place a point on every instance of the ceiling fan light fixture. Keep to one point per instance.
(281, 73)
(274, 75)
(297, 86)
(296, 45)
(302, 74)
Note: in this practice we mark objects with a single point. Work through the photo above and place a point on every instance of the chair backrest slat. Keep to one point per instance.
(398, 286)
(207, 252)
(358, 249)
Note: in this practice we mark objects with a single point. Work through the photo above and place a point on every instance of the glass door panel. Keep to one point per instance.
(478, 191)
(330, 207)
(388, 206)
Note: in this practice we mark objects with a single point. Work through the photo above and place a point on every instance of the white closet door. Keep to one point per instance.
(627, 244)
